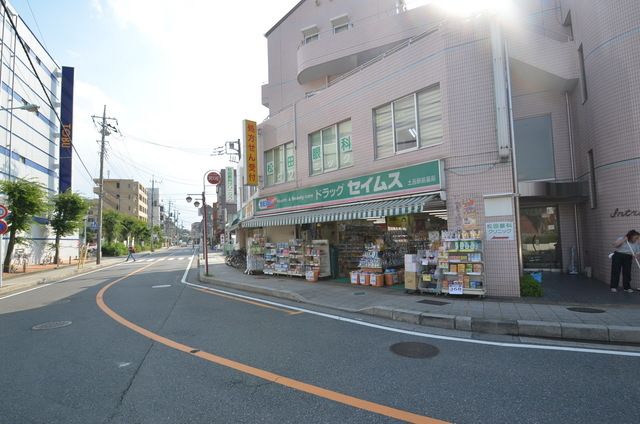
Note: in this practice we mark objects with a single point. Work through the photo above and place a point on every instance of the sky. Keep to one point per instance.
(180, 74)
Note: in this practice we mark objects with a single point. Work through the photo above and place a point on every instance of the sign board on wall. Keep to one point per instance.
(250, 132)
(411, 179)
(66, 130)
(229, 184)
(500, 231)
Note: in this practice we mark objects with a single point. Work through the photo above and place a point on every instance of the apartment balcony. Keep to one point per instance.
(334, 54)
(548, 61)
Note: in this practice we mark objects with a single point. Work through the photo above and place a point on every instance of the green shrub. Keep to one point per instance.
(529, 287)
(114, 249)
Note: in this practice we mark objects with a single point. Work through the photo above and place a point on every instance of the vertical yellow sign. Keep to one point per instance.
(250, 131)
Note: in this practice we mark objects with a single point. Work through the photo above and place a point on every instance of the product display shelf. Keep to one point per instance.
(255, 255)
(429, 278)
(462, 267)
(316, 258)
(270, 258)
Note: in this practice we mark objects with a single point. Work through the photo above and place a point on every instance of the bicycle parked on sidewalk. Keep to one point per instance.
(237, 259)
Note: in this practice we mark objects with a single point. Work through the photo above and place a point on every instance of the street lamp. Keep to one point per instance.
(29, 107)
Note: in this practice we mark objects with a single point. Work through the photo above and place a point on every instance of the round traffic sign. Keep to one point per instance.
(213, 178)
(4, 227)
(3, 211)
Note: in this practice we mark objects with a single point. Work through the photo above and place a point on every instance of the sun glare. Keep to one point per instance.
(464, 8)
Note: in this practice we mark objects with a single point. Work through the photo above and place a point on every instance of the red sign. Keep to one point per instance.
(3, 211)
(214, 178)
(4, 227)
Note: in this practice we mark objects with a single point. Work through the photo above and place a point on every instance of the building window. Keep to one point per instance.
(593, 199)
(280, 164)
(408, 123)
(310, 34)
(117, 185)
(340, 23)
(331, 148)
(583, 77)
(534, 148)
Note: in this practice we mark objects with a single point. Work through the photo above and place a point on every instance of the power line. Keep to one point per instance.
(44, 89)
(35, 21)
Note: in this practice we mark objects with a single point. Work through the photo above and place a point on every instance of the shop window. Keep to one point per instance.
(534, 148)
(280, 164)
(408, 123)
(331, 148)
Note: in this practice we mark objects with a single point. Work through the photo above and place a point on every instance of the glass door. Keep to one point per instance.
(540, 238)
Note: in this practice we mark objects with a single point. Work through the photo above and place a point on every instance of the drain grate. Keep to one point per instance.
(161, 286)
(587, 310)
(415, 350)
(59, 302)
(51, 325)
(359, 294)
(433, 302)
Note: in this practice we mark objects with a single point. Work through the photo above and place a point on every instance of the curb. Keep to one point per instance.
(519, 328)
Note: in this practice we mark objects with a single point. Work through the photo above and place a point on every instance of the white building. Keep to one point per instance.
(29, 141)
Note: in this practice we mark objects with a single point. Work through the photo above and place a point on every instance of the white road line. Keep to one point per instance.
(409, 332)
(59, 281)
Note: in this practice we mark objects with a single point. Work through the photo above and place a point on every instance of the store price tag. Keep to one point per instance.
(456, 289)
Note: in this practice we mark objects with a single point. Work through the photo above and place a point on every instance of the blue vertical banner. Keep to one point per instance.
(66, 132)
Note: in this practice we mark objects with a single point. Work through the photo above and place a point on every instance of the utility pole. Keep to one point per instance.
(153, 200)
(104, 131)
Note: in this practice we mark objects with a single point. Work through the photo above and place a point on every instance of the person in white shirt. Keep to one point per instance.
(626, 248)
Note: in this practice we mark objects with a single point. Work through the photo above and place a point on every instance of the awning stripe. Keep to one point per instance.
(345, 213)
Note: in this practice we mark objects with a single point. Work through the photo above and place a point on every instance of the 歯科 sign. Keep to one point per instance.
(411, 179)
(250, 131)
(500, 230)
(229, 184)
(65, 149)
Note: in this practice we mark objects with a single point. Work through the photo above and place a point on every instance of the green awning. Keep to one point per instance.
(379, 209)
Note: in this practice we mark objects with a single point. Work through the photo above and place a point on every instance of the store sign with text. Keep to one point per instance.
(229, 184)
(250, 153)
(422, 177)
(500, 231)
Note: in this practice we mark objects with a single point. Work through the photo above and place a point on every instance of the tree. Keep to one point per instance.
(24, 199)
(68, 213)
(141, 231)
(157, 235)
(127, 225)
(111, 223)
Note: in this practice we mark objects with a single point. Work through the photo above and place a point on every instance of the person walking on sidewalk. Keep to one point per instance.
(131, 252)
(626, 248)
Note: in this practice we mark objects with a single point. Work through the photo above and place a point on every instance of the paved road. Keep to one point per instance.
(145, 348)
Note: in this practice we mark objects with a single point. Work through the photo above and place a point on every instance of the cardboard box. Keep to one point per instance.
(411, 280)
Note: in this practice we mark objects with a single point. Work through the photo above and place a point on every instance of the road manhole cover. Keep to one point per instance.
(587, 310)
(161, 286)
(51, 325)
(414, 350)
(433, 302)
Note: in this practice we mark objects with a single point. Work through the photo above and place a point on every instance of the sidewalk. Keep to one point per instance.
(15, 282)
(616, 316)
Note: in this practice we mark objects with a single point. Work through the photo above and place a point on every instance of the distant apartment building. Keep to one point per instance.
(523, 125)
(31, 144)
(128, 197)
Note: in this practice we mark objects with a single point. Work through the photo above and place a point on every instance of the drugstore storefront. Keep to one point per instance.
(373, 218)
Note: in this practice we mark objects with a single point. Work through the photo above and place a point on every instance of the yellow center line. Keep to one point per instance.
(260, 373)
(262, 305)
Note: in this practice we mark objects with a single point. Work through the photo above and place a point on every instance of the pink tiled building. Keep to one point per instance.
(531, 114)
